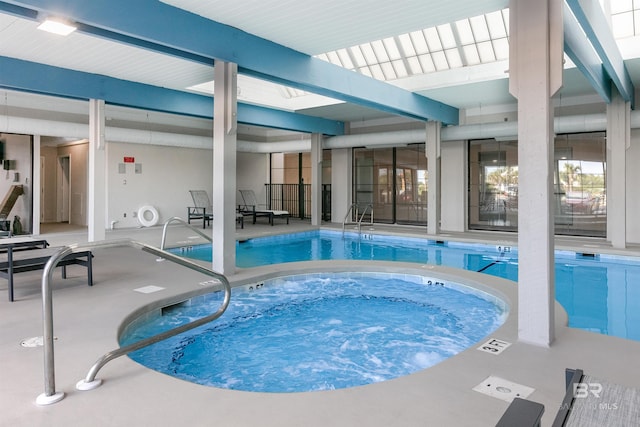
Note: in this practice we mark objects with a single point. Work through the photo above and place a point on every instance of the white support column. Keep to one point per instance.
(341, 183)
(97, 173)
(224, 166)
(453, 186)
(534, 66)
(618, 141)
(316, 179)
(36, 209)
(432, 151)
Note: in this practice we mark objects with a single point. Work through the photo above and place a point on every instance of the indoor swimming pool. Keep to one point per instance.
(601, 293)
(319, 331)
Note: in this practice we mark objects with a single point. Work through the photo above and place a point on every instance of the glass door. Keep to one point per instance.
(393, 181)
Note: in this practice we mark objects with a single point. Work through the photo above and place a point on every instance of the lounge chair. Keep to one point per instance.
(250, 207)
(201, 209)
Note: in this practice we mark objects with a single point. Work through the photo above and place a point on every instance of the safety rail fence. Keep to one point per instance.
(296, 199)
(89, 382)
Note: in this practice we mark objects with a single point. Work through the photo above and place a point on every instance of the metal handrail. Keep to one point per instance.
(183, 222)
(348, 215)
(358, 220)
(89, 382)
(366, 208)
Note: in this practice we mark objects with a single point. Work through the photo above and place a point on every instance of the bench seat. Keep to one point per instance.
(17, 261)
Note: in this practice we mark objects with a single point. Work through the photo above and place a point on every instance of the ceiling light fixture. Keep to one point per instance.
(57, 26)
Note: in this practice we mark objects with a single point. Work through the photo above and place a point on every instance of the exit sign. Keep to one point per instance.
(129, 159)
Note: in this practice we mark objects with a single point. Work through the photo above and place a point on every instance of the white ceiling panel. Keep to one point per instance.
(315, 27)
(20, 39)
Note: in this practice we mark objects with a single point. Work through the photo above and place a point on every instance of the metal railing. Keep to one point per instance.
(358, 217)
(293, 198)
(296, 199)
(183, 222)
(89, 382)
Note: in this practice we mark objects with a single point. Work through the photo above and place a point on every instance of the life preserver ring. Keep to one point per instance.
(142, 219)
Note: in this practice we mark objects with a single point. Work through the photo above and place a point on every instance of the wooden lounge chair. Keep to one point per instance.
(250, 207)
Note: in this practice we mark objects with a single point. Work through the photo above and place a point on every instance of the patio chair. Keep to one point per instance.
(250, 207)
(201, 209)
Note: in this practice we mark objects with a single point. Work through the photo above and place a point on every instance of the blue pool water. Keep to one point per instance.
(321, 331)
(599, 293)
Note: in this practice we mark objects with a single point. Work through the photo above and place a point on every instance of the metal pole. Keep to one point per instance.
(49, 396)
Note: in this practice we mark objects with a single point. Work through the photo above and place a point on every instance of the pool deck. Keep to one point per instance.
(86, 320)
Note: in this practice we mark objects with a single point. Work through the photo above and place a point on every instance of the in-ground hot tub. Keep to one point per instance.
(319, 331)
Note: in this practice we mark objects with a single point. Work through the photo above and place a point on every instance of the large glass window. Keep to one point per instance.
(373, 181)
(393, 181)
(579, 185)
(580, 191)
(493, 185)
(411, 184)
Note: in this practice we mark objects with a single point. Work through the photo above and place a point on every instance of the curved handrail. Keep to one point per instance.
(89, 382)
(183, 222)
(358, 220)
(366, 208)
(344, 221)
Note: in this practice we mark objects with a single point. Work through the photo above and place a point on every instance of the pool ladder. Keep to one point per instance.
(354, 209)
(89, 382)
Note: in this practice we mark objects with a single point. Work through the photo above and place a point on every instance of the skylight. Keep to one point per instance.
(472, 41)
(625, 17)
(478, 40)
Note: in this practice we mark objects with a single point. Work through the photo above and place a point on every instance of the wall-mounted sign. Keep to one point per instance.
(129, 159)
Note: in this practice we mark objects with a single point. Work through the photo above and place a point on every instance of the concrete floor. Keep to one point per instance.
(86, 320)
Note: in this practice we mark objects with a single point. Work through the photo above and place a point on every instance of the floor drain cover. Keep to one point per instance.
(502, 389)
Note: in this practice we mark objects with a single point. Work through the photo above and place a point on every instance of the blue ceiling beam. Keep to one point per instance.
(593, 22)
(580, 51)
(32, 77)
(270, 117)
(158, 24)
(22, 12)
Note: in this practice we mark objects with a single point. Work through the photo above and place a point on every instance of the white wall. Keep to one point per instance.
(251, 174)
(453, 191)
(168, 173)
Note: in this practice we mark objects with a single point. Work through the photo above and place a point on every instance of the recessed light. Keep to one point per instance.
(57, 26)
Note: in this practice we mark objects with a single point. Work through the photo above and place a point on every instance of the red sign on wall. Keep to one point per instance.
(129, 159)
